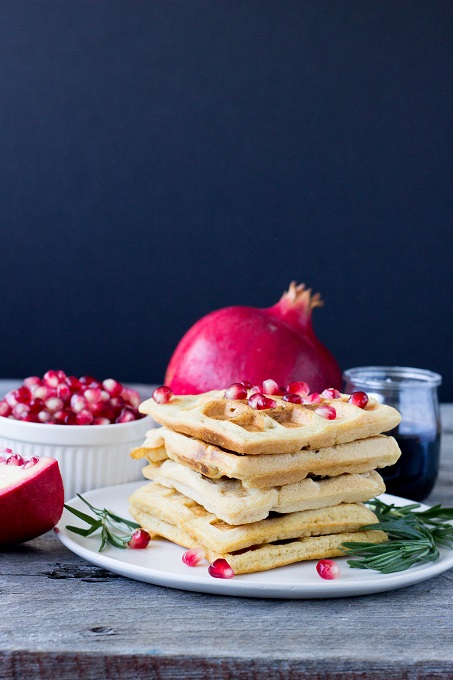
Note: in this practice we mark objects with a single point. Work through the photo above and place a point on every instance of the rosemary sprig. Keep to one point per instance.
(114, 529)
(413, 537)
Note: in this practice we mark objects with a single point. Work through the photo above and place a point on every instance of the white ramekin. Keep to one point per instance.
(89, 456)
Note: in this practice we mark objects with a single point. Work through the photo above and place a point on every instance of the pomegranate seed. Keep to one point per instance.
(42, 392)
(32, 381)
(313, 398)
(78, 403)
(328, 569)
(259, 401)
(54, 404)
(193, 556)
(20, 411)
(63, 391)
(30, 418)
(36, 405)
(73, 383)
(59, 416)
(15, 459)
(89, 381)
(247, 384)
(255, 389)
(139, 539)
(101, 421)
(220, 569)
(300, 388)
(331, 393)
(44, 416)
(126, 415)
(70, 418)
(5, 409)
(30, 463)
(327, 412)
(23, 395)
(93, 395)
(359, 399)
(84, 417)
(10, 398)
(131, 396)
(52, 378)
(113, 387)
(162, 395)
(292, 398)
(271, 387)
(235, 391)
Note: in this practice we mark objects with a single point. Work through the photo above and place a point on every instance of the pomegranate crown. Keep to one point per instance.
(295, 306)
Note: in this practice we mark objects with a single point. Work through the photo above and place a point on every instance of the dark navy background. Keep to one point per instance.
(162, 159)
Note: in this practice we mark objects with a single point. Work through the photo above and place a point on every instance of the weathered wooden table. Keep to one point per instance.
(64, 618)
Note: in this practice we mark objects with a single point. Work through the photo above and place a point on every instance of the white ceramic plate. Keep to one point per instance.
(161, 563)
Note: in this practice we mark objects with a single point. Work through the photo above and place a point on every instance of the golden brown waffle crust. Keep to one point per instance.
(269, 470)
(288, 428)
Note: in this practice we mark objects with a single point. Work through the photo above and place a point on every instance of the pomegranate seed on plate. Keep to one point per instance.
(22, 395)
(247, 384)
(193, 556)
(300, 388)
(20, 411)
(292, 398)
(73, 383)
(220, 569)
(359, 399)
(93, 394)
(89, 381)
(44, 416)
(331, 393)
(78, 403)
(42, 392)
(327, 412)
(139, 539)
(132, 396)
(10, 398)
(235, 391)
(162, 395)
(328, 569)
(36, 405)
(63, 391)
(32, 381)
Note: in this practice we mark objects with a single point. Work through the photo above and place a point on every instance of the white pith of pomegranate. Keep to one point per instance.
(220, 569)
(245, 342)
(328, 569)
(31, 497)
(60, 399)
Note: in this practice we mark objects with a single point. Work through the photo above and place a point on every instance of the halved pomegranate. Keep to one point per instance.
(31, 497)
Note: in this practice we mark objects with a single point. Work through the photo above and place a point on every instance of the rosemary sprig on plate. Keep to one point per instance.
(114, 529)
(413, 537)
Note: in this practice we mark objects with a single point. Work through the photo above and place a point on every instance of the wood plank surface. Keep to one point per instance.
(64, 618)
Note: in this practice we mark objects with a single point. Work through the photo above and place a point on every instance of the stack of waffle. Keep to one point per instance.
(263, 488)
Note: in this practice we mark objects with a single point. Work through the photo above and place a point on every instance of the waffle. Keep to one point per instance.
(270, 543)
(268, 470)
(287, 428)
(234, 504)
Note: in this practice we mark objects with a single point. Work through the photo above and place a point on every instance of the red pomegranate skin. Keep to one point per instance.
(244, 343)
(33, 506)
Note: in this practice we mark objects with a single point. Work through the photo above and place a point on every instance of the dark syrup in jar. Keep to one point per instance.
(413, 476)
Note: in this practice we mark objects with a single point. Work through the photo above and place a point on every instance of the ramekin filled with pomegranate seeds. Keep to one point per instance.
(88, 425)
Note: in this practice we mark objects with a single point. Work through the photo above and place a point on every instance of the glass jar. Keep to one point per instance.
(413, 392)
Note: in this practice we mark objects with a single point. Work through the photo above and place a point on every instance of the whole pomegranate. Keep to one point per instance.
(244, 343)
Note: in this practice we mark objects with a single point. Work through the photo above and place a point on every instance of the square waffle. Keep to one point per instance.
(230, 501)
(287, 428)
(268, 470)
(269, 543)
